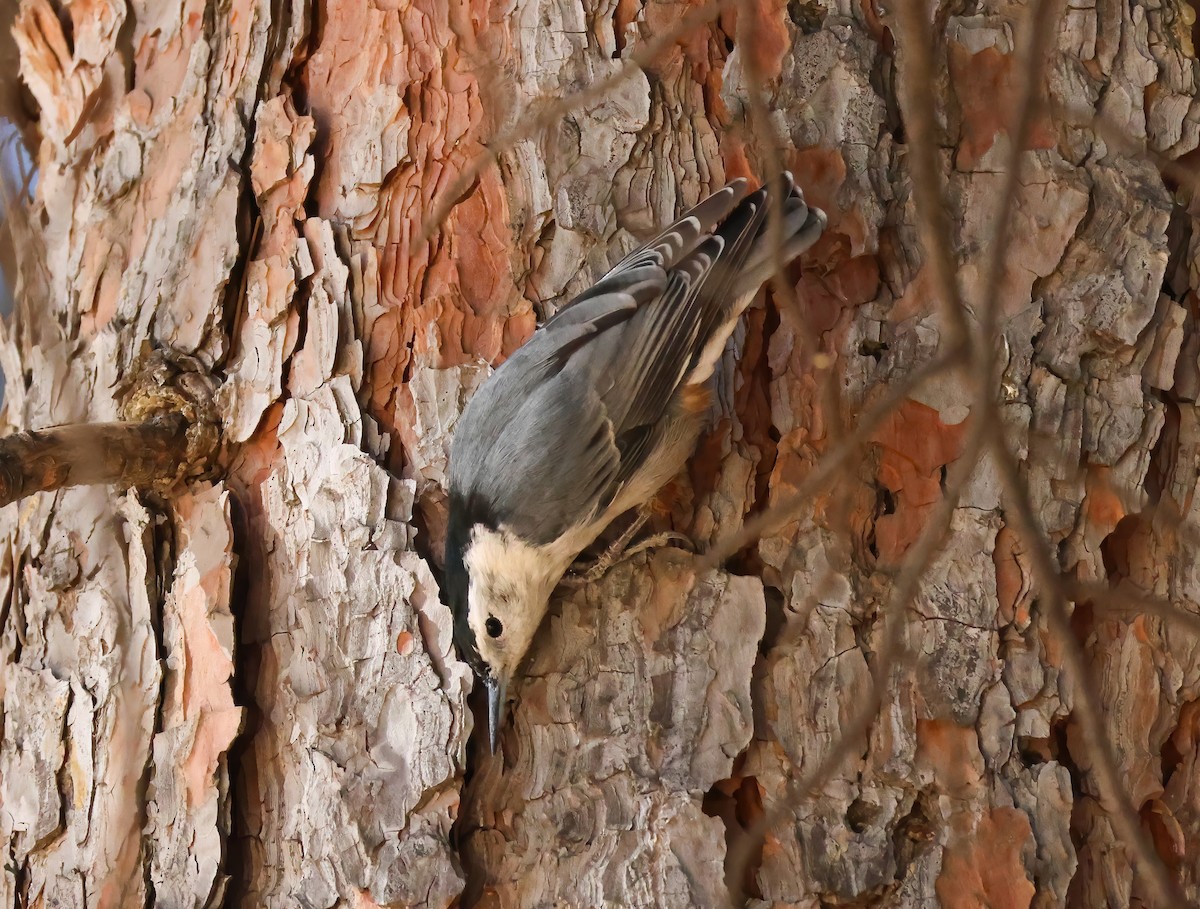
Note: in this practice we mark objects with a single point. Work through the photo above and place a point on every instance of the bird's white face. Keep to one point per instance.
(509, 592)
(504, 624)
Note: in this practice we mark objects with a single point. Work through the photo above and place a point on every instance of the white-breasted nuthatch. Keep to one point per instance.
(591, 416)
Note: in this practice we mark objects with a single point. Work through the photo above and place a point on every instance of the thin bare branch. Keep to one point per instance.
(937, 240)
(551, 109)
(916, 92)
(1124, 598)
(834, 460)
(1030, 67)
(1114, 135)
(889, 657)
(1163, 891)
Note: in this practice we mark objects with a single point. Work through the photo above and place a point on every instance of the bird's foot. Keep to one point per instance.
(585, 572)
(658, 541)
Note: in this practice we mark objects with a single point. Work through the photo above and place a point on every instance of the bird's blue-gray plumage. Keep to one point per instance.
(569, 421)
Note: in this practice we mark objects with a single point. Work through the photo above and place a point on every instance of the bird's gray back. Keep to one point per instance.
(536, 441)
(548, 441)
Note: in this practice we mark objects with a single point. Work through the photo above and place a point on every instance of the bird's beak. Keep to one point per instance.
(497, 690)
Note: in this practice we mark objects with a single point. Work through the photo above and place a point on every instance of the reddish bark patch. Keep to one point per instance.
(827, 296)
(829, 289)
(256, 457)
(449, 299)
(695, 399)
(873, 21)
(820, 172)
(950, 753)
(697, 48)
(985, 85)
(624, 15)
(1102, 506)
(1181, 761)
(704, 467)
(753, 398)
(920, 296)
(982, 865)
(768, 34)
(913, 447)
(1166, 833)
(1012, 579)
(735, 157)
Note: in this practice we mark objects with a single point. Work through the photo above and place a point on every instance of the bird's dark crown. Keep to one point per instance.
(465, 514)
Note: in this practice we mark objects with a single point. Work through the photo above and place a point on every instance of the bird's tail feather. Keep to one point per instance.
(800, 228)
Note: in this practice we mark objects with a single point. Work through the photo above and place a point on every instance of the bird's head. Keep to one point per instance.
(499, 591)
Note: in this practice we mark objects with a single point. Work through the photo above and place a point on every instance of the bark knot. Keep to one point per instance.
(171, 388)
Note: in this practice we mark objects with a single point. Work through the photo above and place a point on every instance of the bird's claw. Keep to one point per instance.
(594, 571)
(658, 541)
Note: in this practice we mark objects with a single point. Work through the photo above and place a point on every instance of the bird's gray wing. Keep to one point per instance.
(683, 287)
(581, 405)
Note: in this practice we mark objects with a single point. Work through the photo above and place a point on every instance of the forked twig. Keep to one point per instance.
(937, 240)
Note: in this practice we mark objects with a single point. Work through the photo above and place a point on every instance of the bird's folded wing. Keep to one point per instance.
(681, 285)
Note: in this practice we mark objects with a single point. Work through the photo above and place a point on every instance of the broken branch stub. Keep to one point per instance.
(170, 437)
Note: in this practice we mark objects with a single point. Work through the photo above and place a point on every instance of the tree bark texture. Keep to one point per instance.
(246, 694)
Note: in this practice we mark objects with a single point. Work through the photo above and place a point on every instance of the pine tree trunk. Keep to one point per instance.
(245, 693)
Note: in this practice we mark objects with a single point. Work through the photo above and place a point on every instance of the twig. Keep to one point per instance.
(917, 101)
(170, 435)
(1123, 599)
(1112, 794)
(1030, 66)
(933, 222)
(554, 108)
(825, 469)
(1118, 138)
(888, 657)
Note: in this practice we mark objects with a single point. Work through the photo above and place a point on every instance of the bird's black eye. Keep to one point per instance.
(493, 626)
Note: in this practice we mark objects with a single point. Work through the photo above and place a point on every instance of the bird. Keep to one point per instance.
(600, 408)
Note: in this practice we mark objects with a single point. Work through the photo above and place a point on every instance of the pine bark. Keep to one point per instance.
(244, 692)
